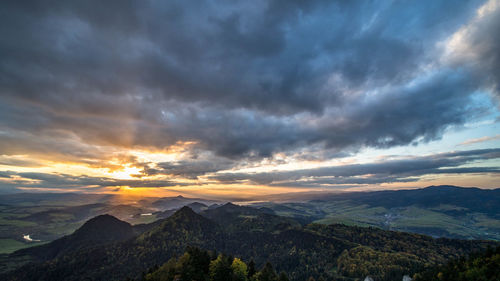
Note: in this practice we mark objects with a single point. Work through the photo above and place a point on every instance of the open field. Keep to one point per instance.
(436, 219)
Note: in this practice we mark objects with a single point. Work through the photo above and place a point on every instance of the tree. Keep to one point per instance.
(198, 263)
(165, 273)
(267, 273)
(220, 269)
(283, 277)
(251, 269)
(240, 270)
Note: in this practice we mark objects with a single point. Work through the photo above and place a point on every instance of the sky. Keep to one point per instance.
(248, 98)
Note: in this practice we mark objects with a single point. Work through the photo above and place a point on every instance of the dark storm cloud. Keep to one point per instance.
(242, 79)
(387, 171)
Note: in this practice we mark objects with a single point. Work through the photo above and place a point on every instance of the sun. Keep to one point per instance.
(127, 173)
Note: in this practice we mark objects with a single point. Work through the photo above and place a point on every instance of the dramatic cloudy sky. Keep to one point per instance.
(243, 98)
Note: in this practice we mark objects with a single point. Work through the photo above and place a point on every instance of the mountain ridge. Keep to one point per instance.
(285, 247)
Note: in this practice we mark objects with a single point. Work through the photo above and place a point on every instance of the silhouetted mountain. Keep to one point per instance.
(103, 229)
(230, 208)
(197, 206)
(168, 203)
(214, 206)
(185, 219)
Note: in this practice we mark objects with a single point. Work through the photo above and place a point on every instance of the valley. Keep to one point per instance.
(444, 211)
(332, 238)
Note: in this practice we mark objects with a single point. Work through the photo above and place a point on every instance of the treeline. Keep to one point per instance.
(483, 266)
(381, 266)
(201, 265)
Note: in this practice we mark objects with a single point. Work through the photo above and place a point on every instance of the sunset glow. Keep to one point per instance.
(389, 102)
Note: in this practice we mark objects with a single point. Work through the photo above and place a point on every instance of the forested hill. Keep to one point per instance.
(331, 252)
(101, 230)
(477, 267)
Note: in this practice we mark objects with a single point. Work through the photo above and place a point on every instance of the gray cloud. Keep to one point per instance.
(6, 161)
(403, 170)
(188, 169)
(241, 80)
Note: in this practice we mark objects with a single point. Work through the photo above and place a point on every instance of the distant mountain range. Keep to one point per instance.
(440, 211)
(105, 248)
(473, 199)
